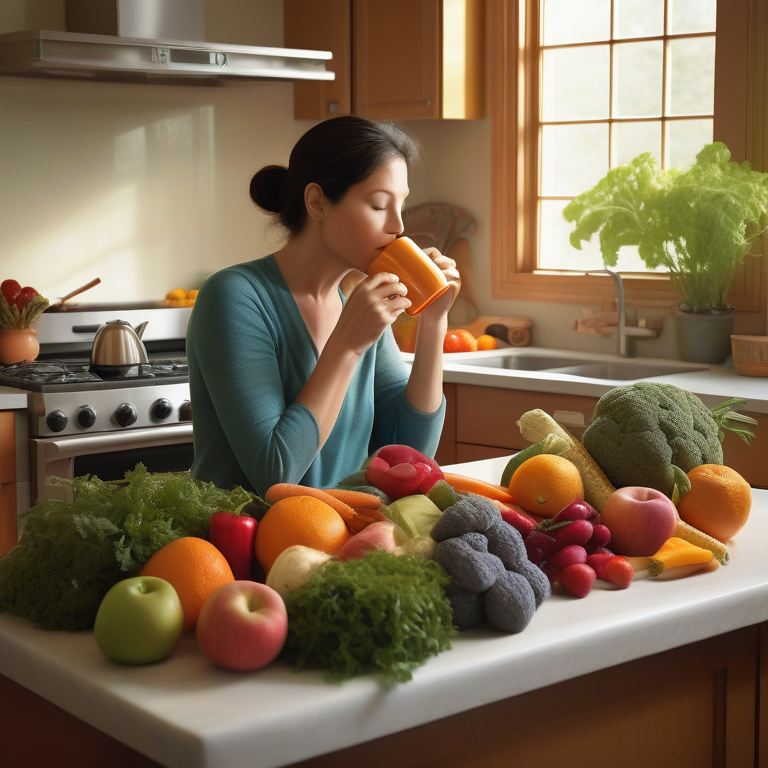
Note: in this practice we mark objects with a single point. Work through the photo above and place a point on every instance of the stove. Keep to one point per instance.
(83, 421)
(71, 399)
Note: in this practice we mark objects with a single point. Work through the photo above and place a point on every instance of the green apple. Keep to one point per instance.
(139, 620)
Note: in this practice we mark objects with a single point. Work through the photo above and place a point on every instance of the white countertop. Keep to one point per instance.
(185, 712)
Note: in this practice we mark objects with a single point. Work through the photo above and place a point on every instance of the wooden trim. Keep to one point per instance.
(512, 30)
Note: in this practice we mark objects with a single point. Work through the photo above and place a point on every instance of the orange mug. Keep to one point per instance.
(415, 270)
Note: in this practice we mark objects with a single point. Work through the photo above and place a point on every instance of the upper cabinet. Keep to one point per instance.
(394, 60)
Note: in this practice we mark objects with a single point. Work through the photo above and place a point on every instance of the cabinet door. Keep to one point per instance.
(487, 416)
(8, 531)
(396, 58)
(322, 26)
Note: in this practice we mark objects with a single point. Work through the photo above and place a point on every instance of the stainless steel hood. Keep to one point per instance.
(148, 41)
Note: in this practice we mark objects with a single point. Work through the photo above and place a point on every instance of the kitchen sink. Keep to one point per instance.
(616, 370)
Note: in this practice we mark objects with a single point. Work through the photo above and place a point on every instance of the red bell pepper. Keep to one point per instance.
(234, 535)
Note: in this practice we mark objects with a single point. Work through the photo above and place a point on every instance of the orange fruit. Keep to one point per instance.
(404, 330)
(545, 484)
(486, 341)
(302, 520)
(195, 568)
(719, 501)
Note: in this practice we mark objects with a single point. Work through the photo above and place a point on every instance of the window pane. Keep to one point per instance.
(556, 251)
(575, 83)
(685, 139)
(692, 76)
(573, 158)
(632, 139)
(638, 18)
(637, 80)
(566, 21)
(686, 16)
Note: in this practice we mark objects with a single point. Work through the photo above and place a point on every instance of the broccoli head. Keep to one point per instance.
(639, 432)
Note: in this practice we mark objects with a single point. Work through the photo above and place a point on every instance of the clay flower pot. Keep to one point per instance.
(18, 346)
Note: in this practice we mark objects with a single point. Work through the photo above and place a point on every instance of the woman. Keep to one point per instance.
(290, 382)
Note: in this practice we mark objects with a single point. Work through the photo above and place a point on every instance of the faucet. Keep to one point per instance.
(627, 332)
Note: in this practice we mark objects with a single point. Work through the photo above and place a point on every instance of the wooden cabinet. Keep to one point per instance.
(397, 60)
(8, 481)
(325, 26)
(481, 422)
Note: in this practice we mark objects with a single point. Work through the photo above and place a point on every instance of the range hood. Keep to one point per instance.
(148, 41)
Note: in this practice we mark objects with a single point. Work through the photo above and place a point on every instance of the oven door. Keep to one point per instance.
(108, 455)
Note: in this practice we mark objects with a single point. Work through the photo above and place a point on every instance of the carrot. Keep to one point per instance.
(355, 499)
(354, 520)
(464, 484)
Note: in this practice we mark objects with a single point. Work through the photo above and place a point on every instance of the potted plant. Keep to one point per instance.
(20, 309)
(699, 224)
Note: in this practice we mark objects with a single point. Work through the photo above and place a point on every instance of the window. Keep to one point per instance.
(617, 78)
(659, 87)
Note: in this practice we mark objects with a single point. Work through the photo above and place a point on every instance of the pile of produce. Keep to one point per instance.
(379, 573)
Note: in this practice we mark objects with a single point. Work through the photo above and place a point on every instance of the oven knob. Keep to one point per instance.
(86, 416)
(56, 421)
(185, 411)
(161, 409)
(125, 415)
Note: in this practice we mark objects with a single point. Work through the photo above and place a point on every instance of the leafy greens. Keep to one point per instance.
(70, 554)
(699, 224)
(380, 613)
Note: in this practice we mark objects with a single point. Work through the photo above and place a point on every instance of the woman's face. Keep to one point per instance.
(369, 216)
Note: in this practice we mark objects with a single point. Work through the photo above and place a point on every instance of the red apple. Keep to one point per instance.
(242, 625)
(640, 520)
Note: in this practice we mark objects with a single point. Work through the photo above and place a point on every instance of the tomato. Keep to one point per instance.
(26, 294)
(451, 343)
(10, 289)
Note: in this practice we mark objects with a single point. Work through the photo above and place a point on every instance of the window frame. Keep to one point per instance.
(741, 122)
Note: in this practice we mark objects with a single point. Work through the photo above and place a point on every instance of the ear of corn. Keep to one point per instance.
(694, 536)
(676, 552)
(536, 425)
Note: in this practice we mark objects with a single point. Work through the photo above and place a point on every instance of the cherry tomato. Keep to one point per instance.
(26, 294)
(10, 289)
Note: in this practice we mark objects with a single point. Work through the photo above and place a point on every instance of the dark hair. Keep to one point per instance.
(335, 154)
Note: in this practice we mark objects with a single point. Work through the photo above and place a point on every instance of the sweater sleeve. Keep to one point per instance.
(234, 368)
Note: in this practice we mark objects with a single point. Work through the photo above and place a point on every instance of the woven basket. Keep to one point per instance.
(750, 355)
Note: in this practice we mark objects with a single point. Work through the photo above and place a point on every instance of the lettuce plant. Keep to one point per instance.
(699, 224)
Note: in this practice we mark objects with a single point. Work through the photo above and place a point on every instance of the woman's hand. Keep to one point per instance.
(440, 306)
(372, 306)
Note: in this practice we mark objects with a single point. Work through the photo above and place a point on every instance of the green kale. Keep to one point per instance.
(640, 432)
(380, 613)
(70, 554)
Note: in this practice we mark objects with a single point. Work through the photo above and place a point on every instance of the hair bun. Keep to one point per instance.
(265, 187)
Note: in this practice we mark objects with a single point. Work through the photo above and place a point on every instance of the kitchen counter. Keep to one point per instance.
(184, 712)
(713, 385)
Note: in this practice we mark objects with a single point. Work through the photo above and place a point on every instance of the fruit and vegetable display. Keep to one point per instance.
(382, 571)
(20, 307)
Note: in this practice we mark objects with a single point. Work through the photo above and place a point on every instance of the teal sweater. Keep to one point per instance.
(250, 355)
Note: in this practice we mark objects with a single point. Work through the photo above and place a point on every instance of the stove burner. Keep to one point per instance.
(49, 375)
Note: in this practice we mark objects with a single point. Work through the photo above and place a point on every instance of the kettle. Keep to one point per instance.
(117, 346)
